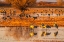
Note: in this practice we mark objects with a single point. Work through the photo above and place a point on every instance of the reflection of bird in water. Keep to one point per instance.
(48, 33)
(18, 32)
(56, 33)
(45, 33)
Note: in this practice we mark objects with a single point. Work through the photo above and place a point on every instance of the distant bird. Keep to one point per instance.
(35, 26)
(55, 25)
(47, 26)
(32, 26)
(42, 24)
(4, 18)
(35, 18)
